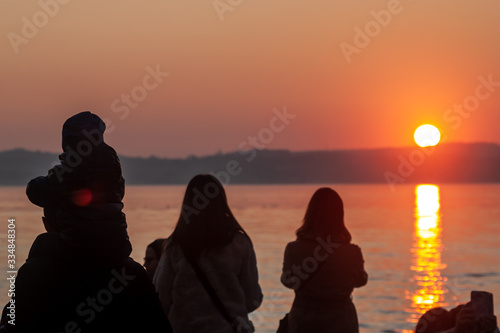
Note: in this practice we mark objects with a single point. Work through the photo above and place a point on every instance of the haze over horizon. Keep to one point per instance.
(174, 78)
(235, 151)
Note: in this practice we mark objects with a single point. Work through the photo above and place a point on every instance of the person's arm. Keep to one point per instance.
(360, 277)
(163, 281)
(288, 278)
(45, 190)
(249, 280)
(39, 191)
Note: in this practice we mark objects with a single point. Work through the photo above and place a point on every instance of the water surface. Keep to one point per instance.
(424, 246)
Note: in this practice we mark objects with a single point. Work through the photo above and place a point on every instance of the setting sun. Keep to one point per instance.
(427, 135)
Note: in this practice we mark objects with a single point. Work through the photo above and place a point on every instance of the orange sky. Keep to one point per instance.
(225, 77)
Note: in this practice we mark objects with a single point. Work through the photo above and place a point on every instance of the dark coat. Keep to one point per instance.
(87, 201)
(323, 304)
(56, 294)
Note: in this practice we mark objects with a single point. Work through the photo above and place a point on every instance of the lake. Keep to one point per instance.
(424, 245)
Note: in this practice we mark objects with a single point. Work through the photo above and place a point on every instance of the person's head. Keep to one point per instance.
(435, 320)
(82, 131)
(438, 320)
(153, 254)
(205, 222)
(325, 217)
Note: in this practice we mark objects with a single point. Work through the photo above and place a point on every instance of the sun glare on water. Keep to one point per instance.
(427, 264)
(427, 136)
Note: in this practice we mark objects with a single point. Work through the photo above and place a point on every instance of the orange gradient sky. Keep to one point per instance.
(226, 76)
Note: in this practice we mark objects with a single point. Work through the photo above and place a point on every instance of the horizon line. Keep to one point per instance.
(219, 153)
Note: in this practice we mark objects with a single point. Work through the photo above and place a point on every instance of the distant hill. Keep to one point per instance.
(446, 163)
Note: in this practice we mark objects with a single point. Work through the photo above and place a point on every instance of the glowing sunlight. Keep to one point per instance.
(427, 248)
(427, 136)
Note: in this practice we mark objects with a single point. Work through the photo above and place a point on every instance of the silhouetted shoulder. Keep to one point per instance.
(46, 244)
(241, 242)
(355, 262)
(301, 245)
(355, 251)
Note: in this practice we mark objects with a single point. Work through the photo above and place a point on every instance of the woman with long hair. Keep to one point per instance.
(208, 249)
(323, 268)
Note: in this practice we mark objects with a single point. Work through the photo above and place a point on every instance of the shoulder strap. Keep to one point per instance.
(213, 295)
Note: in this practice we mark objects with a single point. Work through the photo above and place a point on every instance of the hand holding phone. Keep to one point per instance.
(482, 302)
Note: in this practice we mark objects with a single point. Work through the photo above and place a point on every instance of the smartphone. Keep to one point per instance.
(482, 302)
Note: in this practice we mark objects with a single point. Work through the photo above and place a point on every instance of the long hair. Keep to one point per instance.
(206, 222)
(325, 217)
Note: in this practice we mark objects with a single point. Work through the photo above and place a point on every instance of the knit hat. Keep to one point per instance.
(82, 126)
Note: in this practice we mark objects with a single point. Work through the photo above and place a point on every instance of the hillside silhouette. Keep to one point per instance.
(446, 163)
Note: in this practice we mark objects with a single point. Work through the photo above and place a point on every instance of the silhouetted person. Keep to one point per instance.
(56, 293)
(438, 320)
(461, 319)
(208, 233)
(78, 276)
(152, 257)
(87, 189)
(323, 252)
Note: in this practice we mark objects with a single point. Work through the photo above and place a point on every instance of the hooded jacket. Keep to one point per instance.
(86, 189)
(54, 293)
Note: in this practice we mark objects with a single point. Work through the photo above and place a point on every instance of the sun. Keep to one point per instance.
(427, 136)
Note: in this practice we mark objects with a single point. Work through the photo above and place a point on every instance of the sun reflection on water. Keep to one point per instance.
(429, 284)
